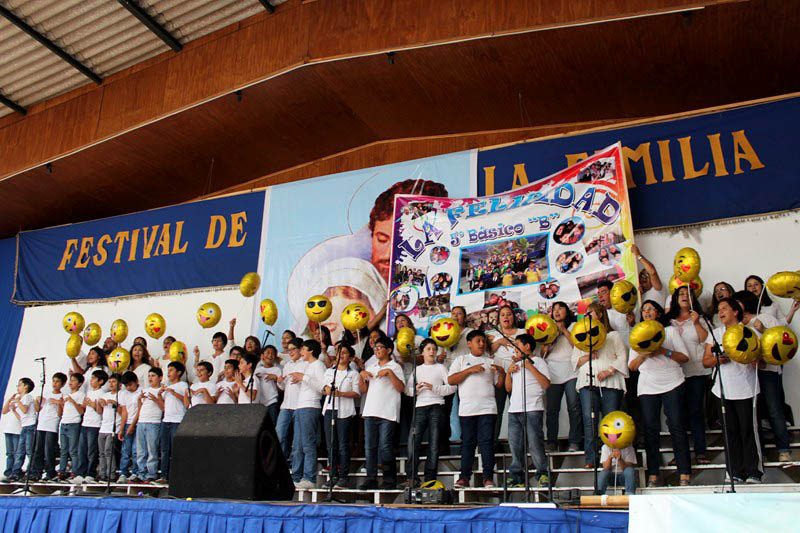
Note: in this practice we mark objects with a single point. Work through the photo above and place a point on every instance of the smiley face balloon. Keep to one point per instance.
(647, 336)
(74, 343)
(92, 334)
(617, 430)
(588, 335)
(686, 265)
(155, 325)
(269, 312)
(73, 322)
(209, 315)
(318, 308)
(119, 330)
(118, 360)
(355, 317)
(741, 344)
(696, 285)
(785, 284)
(249, 284)
(542, 328)
(406, 337)
(177, 352)
(778, 345)
(623, 296)
(445, 332)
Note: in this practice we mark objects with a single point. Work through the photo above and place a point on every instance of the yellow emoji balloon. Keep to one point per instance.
(177, 352)
(318, 308)
(542, 328)
(623, 296)
(588, 336)
(92, 334)
(269, 312)
(155, 325)
(686, 265)
(406, 337)
(647, 336)
(73, 322)
(778, 345)
(74, 343)
(209, 315)
(740, 343)
(445, 332)
(118, 360)
(355, 317)
(119, 330)
(785, 284)
(696, 285)
(617, 430)
(249, 284)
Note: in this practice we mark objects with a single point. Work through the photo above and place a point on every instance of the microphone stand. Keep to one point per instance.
(334, 415)
(525, 358)
(113, 439)
(592, 408)
(717, 351)
(35, 433)
(413, 430)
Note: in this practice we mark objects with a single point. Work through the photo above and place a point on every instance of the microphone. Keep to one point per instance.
(40, 358)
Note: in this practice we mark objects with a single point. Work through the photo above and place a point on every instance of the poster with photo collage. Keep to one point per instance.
(554, 240)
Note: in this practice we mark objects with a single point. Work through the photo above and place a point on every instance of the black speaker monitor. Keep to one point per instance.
(231, 452)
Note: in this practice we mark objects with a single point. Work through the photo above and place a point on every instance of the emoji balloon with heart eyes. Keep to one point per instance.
(542, 328)
(445, 332)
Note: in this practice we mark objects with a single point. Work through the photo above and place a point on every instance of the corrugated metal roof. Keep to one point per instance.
(101, 34)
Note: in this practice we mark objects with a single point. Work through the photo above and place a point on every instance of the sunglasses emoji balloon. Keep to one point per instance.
(588, 335)
(318, 308)
(617, 430)
(741, 344)
(623, 296)
(647, 336)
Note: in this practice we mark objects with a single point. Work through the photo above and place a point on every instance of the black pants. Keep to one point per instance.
(740, 419)
(45, 457)
(674, 405)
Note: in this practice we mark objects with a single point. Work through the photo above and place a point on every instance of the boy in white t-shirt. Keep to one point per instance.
(148, 426)
(11, 428)
(202, 390)
(226, 393)
(176, 401)
(431, 390)
(247, 388)
(50, 407)
(70, 430)
(109, 426)
(476, 377)
(268, 372)
(617, 464)
(341, 408)
(383, 381)
(291, 391)
(219, 343)
(527, 411)
(86, 467)
(307, 415)
(25, 410)
(129, 400)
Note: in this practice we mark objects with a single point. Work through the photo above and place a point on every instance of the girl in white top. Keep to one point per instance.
(740, 382)
(563, 379)
(323, 336)
(722, 289)
(766, 305)
(140, 362)
(342, 406)
(95, 360)
(685, 316)
(203, 391)
(247, 388)
(268, 372)
(609, 370)
(503, 353)
(661, 383)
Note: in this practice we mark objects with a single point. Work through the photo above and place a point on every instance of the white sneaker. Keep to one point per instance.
(77, 480)
(752, 480)
(785, 457)
(89, 479)
(305, 484)
(122, 479)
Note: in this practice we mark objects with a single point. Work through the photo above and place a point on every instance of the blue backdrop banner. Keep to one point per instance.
(706, 167)
(191, 246)
(10, 314)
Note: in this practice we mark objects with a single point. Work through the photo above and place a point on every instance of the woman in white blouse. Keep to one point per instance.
(685, 316)
(755, 285)
(741, 388)
(503, 353)
(661, 384)
(609, 370)
(562, 381)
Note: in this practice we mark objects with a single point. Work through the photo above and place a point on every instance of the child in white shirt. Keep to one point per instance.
(129, 400)
(340, 408)
(23, 408)
(225, 387)
(267, 373)
(90, 429)
(148, 426)
(176, 401)
(617, 463)
(109, 426)
(50, 408)
(247, 387)
(202, 390)
(71, 417)
(431, 388)
(526, 409)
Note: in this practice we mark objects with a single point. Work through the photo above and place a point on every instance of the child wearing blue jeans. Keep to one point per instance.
(23, 407)
(618, 465)
(129, 399)
(70, 429)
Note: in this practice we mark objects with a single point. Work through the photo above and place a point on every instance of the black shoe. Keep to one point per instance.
(370, 484)
(341, 483)
(330, 483)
